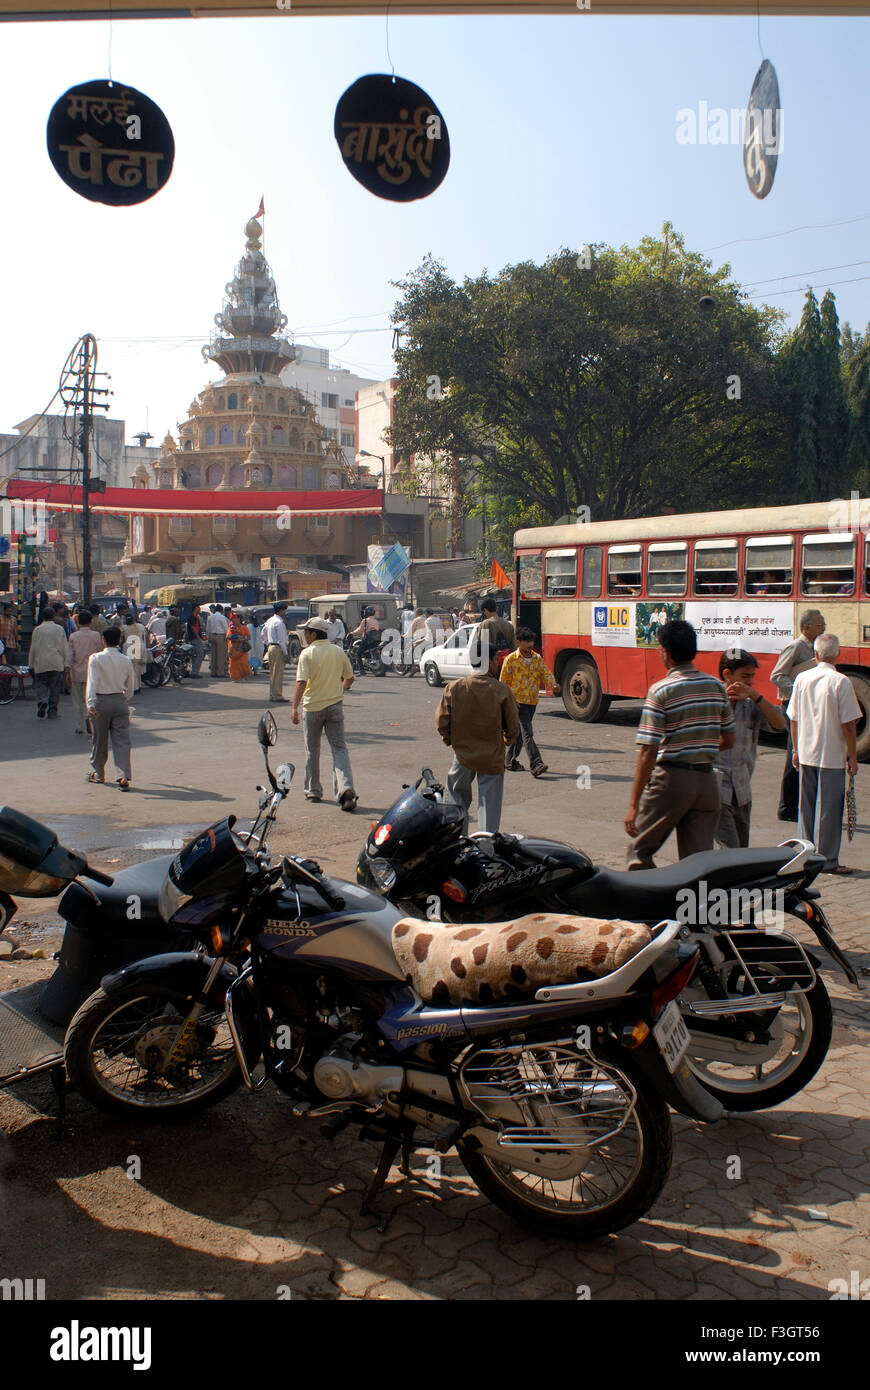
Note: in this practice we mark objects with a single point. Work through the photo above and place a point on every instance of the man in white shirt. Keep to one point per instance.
(47, 659)
(109, 689)
(335, 628)
(275, 643)
(824, 714)
(216, 635)
(156, 625)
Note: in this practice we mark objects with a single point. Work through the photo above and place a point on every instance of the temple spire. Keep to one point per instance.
(248, 337)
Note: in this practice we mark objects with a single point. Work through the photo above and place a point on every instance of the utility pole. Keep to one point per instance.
(78, 388)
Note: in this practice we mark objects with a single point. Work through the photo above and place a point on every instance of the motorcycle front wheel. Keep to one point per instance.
(617, 1185)
(117, 1044)
(151, 675)
(756, 1075)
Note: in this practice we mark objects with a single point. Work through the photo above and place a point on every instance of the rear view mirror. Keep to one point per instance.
(267, 730)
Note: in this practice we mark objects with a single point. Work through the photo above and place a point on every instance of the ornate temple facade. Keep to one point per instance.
(250, 434)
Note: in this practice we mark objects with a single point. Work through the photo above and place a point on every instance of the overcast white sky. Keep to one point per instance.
(562, 130)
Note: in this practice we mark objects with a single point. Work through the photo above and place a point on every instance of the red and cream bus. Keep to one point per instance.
(598, 593)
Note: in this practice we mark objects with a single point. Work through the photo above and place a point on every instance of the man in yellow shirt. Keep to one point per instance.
(524, 672)
(323, 674)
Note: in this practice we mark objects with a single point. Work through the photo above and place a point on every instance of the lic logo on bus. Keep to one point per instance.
(613, 618)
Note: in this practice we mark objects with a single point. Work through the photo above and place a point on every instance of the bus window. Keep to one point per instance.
(666, 567)
(560, 574)
(591, 582)
(769, 566)
(624, 569)
(529, 580)
(867, 565)
(715, 569)
(828, 565)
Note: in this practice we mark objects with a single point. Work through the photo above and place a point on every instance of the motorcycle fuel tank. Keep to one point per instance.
(357, 939)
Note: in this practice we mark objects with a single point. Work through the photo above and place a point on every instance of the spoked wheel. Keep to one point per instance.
(583, 1191)
(118, 1046)
(757, 1074)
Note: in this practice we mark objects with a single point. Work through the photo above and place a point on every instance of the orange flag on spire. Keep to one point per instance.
(498, 574)
(261, 210)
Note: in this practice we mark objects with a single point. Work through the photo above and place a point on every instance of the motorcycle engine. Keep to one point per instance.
(340, 1075)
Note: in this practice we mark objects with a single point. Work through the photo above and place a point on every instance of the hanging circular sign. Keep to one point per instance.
(392, 137)
(762, 132)
(110, 143)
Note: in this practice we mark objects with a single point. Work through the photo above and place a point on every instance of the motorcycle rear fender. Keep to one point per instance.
(818, 924)
(681, 1089)
(185, 971)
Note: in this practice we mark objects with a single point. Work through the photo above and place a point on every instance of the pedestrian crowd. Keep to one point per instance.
(697, 737)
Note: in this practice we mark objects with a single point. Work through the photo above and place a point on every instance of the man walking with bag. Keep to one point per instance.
(276, 645)
(108, 694)
(323, 675)
(477, 717)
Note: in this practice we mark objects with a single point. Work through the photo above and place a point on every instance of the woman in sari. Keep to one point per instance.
(238, 646)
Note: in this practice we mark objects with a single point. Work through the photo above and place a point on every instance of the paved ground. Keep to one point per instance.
(246, 1201)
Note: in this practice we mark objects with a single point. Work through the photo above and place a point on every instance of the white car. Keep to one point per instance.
(450, 659)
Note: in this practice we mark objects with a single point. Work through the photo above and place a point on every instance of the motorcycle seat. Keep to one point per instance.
(650, 894)
(484, 963)
(142, 883)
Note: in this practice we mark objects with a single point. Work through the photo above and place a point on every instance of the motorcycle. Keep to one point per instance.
(103, 932)
(365, 663)
(758, 1014)
(554, 1093)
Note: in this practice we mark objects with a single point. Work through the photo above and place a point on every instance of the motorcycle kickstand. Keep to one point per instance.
(382, 1172)
(60, 1085)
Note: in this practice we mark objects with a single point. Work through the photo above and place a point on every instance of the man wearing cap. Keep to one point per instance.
(275, 643)
(322, 676)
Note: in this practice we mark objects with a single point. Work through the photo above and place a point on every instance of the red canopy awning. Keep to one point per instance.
(188, 502)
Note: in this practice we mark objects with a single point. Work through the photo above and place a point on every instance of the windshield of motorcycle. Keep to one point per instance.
(211, 862)
(413, 826)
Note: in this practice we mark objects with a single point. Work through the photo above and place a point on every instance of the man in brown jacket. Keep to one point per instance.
(478, 718)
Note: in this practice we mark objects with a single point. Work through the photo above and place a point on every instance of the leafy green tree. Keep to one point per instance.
(611, 386)
(857, 385)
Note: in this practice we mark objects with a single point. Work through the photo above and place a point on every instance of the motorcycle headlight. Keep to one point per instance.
(171, 899)
(383, 874)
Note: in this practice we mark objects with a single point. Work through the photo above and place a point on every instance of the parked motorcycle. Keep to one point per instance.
(555, 1097)
(758, 1013)
(365, 663)
(107, 925)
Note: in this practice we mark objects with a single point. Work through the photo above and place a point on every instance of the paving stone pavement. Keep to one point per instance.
(246, 1202)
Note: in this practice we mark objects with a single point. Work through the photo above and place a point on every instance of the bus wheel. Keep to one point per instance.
(862, 691)
(582, 694)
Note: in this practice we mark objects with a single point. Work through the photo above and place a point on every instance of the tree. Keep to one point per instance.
(815, 402)
(609, 387)
(857, 386)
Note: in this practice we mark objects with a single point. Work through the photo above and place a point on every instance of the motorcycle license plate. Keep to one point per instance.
(672, 1036)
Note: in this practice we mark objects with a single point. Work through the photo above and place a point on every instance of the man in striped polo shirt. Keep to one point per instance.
(686, 719)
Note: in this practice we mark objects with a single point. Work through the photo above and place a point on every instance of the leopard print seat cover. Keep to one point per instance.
(480, 964)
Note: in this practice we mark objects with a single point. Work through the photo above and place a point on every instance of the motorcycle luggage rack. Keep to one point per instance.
(754, 951)
(585, 1103)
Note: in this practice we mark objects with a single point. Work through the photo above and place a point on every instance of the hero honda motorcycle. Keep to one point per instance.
(556, 1101)
(758, 1013)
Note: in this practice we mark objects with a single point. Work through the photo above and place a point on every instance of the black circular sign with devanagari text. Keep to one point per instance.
(392, 137)
(110, 143)
(763, 131)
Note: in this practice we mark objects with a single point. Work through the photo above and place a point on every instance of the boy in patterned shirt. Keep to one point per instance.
(524, 672)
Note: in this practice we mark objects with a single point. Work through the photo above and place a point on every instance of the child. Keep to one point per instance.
(524, 672)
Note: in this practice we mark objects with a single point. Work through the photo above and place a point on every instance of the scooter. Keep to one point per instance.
(758, 1013)
(108, 924)
(551, 1078)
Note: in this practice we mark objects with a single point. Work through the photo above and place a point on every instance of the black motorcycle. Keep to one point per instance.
(553, 1090)
(110, 921)
(758, 1013)
(365, 660)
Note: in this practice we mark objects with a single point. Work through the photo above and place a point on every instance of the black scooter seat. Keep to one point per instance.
(647, 894)
(114, 909)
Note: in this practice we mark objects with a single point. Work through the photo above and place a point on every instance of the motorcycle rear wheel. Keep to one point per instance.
(807, 1024)
(109, 1039)
(151, 676)
(546, 1205)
